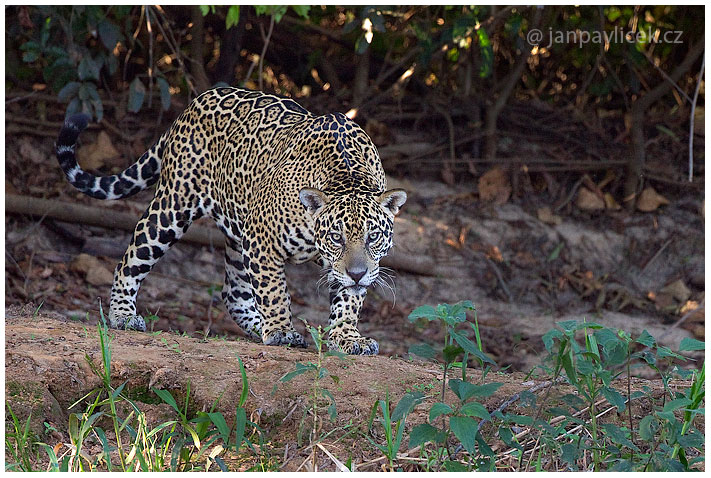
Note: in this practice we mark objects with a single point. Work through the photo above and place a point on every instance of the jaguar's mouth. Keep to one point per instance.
(356, 290)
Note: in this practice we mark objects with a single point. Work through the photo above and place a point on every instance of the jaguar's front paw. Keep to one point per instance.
(132, 322)
(354, 345)
(284, 337)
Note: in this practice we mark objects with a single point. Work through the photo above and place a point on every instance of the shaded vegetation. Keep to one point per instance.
(626, 72)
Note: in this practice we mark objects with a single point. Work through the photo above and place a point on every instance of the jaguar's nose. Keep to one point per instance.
(356, 273)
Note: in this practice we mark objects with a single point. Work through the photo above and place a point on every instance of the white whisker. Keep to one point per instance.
(384, 285)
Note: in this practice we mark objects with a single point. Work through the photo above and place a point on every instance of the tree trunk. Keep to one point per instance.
(492, 113)
(229, 51)
(197, 51)
(360, 82)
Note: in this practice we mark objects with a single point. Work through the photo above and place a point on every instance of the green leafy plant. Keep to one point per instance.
(191, 441)
(393, 423)
(18, 443)
(458, 420)
(456, 343)
(320, 397)
(658, 442)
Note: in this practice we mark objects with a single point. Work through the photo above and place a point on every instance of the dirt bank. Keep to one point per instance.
(47, 371)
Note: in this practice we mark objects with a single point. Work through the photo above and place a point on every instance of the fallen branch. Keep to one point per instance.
(109, 219)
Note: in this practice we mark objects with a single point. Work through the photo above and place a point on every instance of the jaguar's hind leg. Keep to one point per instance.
(161, 226)
(237, 292)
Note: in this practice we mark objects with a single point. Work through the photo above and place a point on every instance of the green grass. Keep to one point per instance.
(581, 420)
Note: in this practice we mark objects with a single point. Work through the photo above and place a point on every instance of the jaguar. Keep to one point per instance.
(282, 184)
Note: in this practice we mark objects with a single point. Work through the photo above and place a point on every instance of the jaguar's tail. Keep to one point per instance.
(137, 177)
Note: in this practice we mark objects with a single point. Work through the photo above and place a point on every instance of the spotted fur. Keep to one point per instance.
(282, 185)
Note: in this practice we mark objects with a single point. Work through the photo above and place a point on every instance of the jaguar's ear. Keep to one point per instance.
(393, 200)
(313, 199)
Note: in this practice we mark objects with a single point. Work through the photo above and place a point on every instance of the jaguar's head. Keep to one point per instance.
(353, 232)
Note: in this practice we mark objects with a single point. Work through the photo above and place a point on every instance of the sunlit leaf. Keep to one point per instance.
(232, 16)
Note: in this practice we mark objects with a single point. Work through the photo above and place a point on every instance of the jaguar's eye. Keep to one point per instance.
(373, 236)
(336, 237)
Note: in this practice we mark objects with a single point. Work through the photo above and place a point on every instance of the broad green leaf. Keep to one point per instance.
(175, 454)
(53, 462)
(475, 409)
(88, 68)
(646, 339)
(422, 350)
(687, 344)
(468, 304)
(663, 351)
(486, 52)
(647, 426)
(569, 369)
(471, 347)
(315, 334)
(676, 404)
(73, 107)
(405, 405)
(167, 398)
(692, 439)
(301, 10)
(616, 353)
(423, 312)
(507, 437)
(451, 352)
(568, 325)
(232, 16)
(136, 93)
(484, 448)
(69, 91)
(614, 397)
(466, 390)
(219, 421)
(548, 338)
(110, 34)
(569, 454)
(454, 466)
(438, 409)
(164, 93)
(118, 391)
(519, 419)
(618, 436)
(421, 434)
(221, 463)
(83, 92)
(464, 428)
(332, 411)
